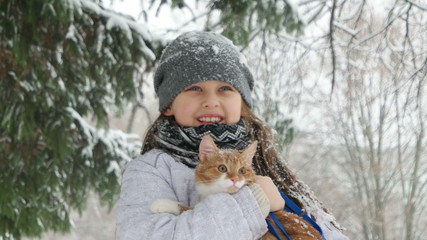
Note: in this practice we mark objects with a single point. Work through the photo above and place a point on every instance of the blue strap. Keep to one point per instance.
(271, 228)
(290, 206)
(280, 227)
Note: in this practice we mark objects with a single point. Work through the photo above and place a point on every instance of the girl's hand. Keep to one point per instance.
(271, 191)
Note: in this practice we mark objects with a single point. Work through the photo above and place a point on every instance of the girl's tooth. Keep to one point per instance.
(210, 119)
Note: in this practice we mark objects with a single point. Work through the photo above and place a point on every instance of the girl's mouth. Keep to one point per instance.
(209, 120)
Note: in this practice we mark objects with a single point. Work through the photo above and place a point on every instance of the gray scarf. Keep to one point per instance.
(183, 142)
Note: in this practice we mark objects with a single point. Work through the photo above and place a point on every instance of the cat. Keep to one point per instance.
(228, 170)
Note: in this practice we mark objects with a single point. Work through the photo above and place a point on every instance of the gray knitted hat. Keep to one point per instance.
(200, 56)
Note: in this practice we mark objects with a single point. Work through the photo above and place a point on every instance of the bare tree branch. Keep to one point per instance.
(331, 42)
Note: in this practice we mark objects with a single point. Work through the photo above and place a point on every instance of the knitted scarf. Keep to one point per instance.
(183, 142)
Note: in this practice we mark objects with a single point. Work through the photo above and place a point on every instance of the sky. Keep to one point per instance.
(167, 20)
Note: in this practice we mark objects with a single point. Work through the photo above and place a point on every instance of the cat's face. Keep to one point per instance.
(223, 170)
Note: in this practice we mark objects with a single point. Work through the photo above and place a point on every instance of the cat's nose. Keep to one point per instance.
(234, 180)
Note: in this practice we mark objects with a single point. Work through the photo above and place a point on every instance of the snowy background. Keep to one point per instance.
(334, 130)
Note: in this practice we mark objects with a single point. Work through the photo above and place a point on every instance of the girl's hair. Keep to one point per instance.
(149, 140)
(267, 161)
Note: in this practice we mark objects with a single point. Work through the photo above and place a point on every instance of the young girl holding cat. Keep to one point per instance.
(204, 88)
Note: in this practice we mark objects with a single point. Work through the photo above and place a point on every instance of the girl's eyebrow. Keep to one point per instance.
(228, 85)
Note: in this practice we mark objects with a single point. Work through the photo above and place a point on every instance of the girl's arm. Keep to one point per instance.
(219, 216)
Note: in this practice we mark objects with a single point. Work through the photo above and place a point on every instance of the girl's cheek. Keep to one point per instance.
(188, 108)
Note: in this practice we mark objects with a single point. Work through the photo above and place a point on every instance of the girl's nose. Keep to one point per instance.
(211, 101)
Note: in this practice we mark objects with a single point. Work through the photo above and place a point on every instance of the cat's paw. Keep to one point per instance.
(165, 206)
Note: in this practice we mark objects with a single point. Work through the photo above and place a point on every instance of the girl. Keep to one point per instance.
(204, 87)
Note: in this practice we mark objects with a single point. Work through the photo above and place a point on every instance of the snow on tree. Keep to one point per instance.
(239, 20)
(363, 67)
(60, 62)
(64, 61)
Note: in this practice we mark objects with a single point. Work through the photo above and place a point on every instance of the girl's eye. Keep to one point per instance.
(194, 88)
(225, 88)
(222, 168)
(242, 171)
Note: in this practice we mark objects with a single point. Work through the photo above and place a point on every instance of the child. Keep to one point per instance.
(204, 87)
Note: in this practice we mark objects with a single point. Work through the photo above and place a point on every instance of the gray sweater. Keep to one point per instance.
(156, 175)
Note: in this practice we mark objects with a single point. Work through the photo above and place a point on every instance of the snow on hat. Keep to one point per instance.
(200, 56)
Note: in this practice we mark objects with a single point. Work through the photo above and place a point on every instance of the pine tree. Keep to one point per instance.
(243, 20)
(61, 61)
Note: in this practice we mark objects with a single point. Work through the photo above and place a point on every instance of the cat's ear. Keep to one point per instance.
(207, 146)
(249, 152)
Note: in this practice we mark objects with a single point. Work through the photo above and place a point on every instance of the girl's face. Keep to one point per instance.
(205, 103)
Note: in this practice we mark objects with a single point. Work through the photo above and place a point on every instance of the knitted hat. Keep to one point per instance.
(200, 56)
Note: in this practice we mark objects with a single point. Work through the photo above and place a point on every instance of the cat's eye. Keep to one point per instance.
(242, 170)
(222, 168)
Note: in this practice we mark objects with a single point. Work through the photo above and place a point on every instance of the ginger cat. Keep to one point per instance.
(227, 170)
